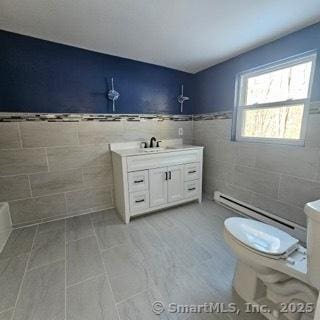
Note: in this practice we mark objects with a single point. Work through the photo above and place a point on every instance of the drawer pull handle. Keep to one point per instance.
(191, 189)
(193, 171)
(137, 201)
(138, 181)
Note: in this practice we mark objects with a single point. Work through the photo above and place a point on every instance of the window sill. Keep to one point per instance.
(288, 142)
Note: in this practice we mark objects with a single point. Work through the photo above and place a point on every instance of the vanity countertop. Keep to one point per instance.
(146, 151)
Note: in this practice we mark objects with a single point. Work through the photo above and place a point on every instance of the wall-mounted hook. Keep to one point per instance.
(113, 95)
(182, 99)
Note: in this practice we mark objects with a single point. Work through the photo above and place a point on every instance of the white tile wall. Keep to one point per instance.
(50, 170)
(277, 178)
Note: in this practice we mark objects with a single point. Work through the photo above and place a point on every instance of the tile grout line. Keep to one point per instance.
(81, 238)
(133, 296)
(52, 171)
(25, 272)
(26, 174)
(29, 182)
(47, 158)
(39, 222)
(115, 246)
(51, 194)
(53, 218)
(212, 159)
(85, 280)
(104, 268)
(66, 204)
(20, 136)
(81, 213)
(47, 264)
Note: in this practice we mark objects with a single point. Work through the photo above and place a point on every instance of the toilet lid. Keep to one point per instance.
(260, 236)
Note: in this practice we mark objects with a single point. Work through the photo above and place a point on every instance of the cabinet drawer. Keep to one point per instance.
(191, 171)
(139, 201)
(138, 181)
(191, 188)
(159, 160)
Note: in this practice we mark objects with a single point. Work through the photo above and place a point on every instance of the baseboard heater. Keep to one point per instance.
(245, 209)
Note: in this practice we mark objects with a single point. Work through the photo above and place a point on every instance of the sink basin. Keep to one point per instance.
(152, 150)
(156, 149)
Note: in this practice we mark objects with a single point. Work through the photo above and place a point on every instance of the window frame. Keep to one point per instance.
(241, 90)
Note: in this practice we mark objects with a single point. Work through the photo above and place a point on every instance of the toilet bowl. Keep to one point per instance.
(273, 269)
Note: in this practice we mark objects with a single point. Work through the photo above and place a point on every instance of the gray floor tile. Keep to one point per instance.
(140, 307)
(223, 265)
(43, 294)
(178, 285)
(20, 241)
(191, 220)
(158, 265)
(131, 283)
(79, 227)
(111, 231)
(187, 249)
(120, 260)
(127, 271)
(162, 220)
(102, 215)
(145, 239)
(11, 274)
(48, 247)
(6, 315)
(92, 300)
(213, 243)
(83, 260)
(51, 226)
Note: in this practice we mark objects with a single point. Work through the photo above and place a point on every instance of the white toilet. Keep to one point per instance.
(273, 269)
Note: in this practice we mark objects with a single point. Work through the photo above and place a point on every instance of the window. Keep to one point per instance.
(273, 101)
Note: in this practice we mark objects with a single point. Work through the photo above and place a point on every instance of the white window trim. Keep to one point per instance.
(240, 91)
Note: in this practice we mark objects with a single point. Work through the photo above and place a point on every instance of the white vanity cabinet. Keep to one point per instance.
(146, 182)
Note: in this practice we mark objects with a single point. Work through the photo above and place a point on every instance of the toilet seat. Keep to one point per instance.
(261, 238)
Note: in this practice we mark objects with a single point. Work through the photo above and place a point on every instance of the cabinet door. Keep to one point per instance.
(175, 183)
(158, 186)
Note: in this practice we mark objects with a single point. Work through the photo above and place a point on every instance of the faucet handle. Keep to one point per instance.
(158, 145)
(144, 144)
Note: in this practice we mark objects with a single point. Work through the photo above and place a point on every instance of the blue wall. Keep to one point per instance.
(41, 76)
(215, 87)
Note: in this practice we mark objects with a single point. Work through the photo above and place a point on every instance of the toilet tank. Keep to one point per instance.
(312, 210)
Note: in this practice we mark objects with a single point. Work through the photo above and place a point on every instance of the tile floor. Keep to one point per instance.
(94, 267)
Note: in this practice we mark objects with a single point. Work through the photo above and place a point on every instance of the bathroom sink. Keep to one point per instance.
(157, 149)
(152, 150)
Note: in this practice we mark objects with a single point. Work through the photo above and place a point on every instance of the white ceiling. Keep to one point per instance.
(188, 35)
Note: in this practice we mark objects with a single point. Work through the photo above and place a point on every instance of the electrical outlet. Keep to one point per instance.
(180, 131)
